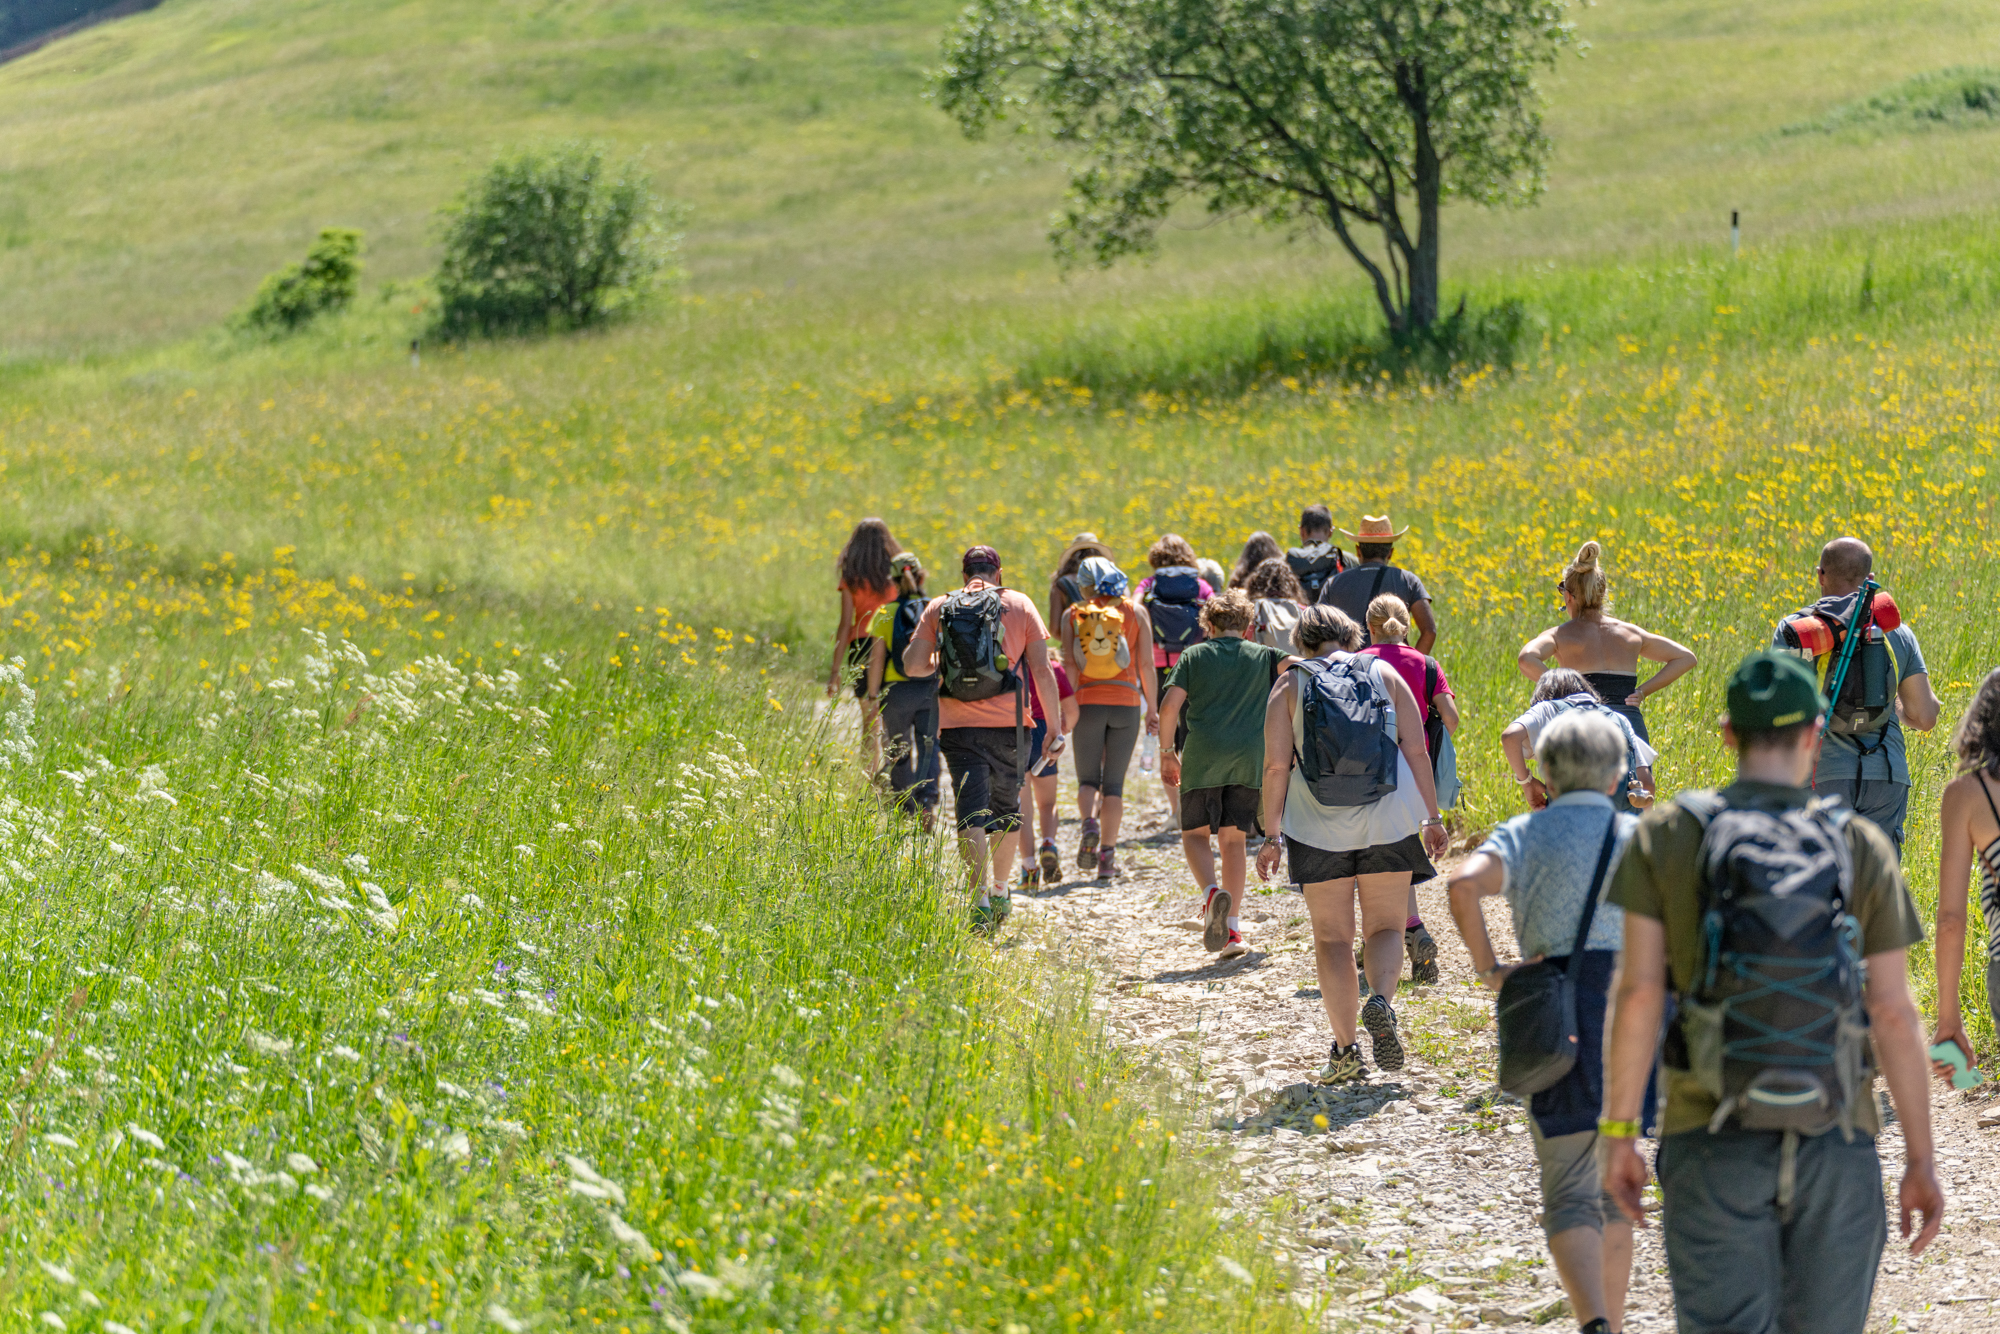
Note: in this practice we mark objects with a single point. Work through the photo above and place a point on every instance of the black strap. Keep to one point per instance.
(1596, 887)
(1381, 573)
(1981, 775)
(1430, 686)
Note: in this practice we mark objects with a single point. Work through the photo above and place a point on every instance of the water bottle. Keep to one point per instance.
(1149, 754)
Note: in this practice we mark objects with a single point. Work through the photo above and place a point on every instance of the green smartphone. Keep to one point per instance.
(1964, 1074)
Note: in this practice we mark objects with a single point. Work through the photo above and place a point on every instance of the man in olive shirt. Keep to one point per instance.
(1223, 683)
(1739, 1262)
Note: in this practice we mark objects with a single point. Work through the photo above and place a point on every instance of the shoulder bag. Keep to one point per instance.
(1537, 1008)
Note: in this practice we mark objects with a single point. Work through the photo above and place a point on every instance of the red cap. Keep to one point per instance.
(978, 556)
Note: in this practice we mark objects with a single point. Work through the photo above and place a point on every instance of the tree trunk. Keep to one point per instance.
(1423, 310)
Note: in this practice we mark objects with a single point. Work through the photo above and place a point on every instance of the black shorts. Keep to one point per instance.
(985, 777)
(1315, 866)
(1219, 808)
(857, 663)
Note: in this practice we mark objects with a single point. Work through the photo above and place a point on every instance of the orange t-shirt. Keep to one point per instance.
(1019, 623)
(866, 603)
(1124, 688)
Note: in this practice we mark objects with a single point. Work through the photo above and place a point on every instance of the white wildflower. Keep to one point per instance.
(319, 879)
(344, 1052)
(629, 1237)
(144, 1136)
(599, 1187)
(279, 683)
(158, 1165)
(89, 1298)
(471, 901)
(152, 786)
(456, 1145)
(524, 851)
(454, 1090)
(505, 1318)
(787, 1076)
(267, 1045)
(17, 724)
(377, 900)
(58, 1273)
(53, 1321)
(357, 862)
(1234, 1270)
(300, 1163)
(238, 1164)
(318, 1193)
(701, 1285)
(58, 1140)
(113, 1327)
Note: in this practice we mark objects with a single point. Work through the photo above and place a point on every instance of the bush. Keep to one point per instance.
(298, 293)
(549, 241)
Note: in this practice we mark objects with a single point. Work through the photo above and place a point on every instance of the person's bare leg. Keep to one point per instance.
(1086, 801)
(1113, 814)
(1617, 1270)
(1382, 898)
(1330, 904)
(1003, 862)
(1026, 838)
(1173, 793)
(972, 851)
(1579, 1257)
(1048, 787)
(1234, 866)
(1200, 857)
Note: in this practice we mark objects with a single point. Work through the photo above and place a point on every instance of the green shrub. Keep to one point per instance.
(547, 241)
(298, 293)
(1967, 96)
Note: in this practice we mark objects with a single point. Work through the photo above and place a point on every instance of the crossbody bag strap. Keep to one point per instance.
(1596, 887)
(1381, 573)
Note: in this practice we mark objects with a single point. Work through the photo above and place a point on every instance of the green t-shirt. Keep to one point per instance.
(1660, 877)
(1227, 681)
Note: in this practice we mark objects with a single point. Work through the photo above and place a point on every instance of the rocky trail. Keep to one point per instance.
(1410, 1201)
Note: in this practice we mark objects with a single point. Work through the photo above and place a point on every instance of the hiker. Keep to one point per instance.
(1260, 547)
(865, 584)
(1173, 595)
(908, 707)
(1279, 601)
(1220, 687)
(1348, 795)
(1107, 642)
(1969, 826)
(1212, 574)
(1042, 865)
(1752, 905)
(1064, 591)
(1885, 687)
(1560, 690)
(978, 640)
(1551, 865)
(1372, 575)
(1607, 651)
(1316, 560)
(1388, 628)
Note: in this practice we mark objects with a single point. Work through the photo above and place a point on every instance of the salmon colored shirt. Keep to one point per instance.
(1019, 622)
(866, 603)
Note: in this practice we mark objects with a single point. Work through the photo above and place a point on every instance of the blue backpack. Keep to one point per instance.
(1173, 602)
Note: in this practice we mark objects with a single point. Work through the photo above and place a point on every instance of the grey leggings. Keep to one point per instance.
(1105, 737)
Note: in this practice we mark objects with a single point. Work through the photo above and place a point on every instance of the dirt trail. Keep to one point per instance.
(1412, 1205)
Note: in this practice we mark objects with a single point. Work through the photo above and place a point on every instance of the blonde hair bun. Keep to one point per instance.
(1586, 557)
(1585, 578)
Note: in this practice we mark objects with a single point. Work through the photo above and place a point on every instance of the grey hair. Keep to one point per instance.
(1581, 751)
(1561, 683)
(1321, 624)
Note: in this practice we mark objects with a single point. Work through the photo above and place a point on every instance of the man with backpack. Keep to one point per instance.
(1758, 904)
(1316, 559)
(988, 645)
(1881, 681)
(1372, 575)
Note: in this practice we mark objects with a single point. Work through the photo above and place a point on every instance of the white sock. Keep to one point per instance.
(1235, 924)
(981, 901)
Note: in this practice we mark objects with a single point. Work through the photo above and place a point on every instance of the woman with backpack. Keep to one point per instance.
(1173, 596)
(1348, 783)
(1605, 650)
(908, 707)
(1107, 644)
(1258, 548)
(1064, 590)
(1558, 692)
(865, 583)
(1279, 602)
(1388, 629)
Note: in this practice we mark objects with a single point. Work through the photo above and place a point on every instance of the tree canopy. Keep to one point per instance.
(1361, 116)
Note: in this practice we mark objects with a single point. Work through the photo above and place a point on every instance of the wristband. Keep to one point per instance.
(1525, 781)
(1610, 1129)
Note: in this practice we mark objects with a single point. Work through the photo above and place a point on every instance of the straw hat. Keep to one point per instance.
(1086, 542)
(1376, 528)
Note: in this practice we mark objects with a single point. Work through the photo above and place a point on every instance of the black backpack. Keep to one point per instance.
(1313, 570)
(1346, 754)
(972, 659)
(909, 611)
(1173, 602)
(1774, 1025)
(1867, 696)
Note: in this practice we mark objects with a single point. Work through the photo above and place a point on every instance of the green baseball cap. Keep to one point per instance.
(1773, 690)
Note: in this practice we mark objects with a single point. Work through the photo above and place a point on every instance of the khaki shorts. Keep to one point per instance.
(1573, 1193)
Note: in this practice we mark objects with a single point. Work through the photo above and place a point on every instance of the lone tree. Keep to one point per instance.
(1352, 114)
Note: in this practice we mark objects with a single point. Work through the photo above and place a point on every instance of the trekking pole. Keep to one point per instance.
(1857, 625)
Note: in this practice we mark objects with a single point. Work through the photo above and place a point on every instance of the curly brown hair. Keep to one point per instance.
(1977, 740)
(1274, 579)
(1227, 613)
(864, 561)
(1171, 549)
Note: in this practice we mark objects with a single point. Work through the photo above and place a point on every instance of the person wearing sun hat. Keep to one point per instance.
(1065, 591)
(1765, 1229)
(1351, 591)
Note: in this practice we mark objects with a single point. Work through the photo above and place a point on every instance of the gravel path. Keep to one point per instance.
(1408, 1202)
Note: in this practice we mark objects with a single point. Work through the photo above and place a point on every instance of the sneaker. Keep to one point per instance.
(1380, 1021)
(1215, 931)
(1051, 863)
(1343, 1065)
(1234, 948)
(984, 922)
(1031, 878)
(1423, 952)
(1107, 864)
(1086, 847)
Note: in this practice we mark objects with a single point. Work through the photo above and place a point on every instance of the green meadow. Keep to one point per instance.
(433, 893)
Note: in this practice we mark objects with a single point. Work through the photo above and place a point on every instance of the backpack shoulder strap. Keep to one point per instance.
(1596, 889)
(1381, 574)
(1704, 805)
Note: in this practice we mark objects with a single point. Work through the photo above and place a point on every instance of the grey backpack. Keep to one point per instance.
(1345, 752)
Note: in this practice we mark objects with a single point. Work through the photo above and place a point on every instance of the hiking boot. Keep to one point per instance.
(1086, 847)
(1423, 952)
(1343, 1065)
(1380, 1021)
(1215, 931)
(1234, 948)
(1051, 863)
(1107, 864)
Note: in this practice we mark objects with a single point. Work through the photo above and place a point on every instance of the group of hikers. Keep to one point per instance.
(1725, 970)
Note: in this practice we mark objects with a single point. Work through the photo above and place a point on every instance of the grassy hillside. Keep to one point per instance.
(153, 169)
